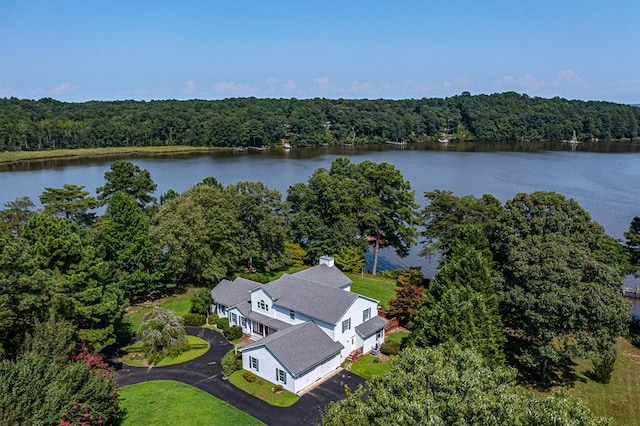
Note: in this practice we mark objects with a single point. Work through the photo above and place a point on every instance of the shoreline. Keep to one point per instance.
(15, 157)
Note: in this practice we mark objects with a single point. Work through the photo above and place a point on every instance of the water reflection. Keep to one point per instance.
(304, 153)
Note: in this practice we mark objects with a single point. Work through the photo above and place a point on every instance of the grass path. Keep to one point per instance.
(169, 403)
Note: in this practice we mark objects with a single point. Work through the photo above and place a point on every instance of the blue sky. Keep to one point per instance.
(108, 50)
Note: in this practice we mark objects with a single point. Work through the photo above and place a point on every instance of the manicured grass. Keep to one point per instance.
(398, 336)
(10, 157)
(619, 399)
(198, 348)
(381, 289)
(169, 403)
(263, 389)
(369, 366)
(179, 303)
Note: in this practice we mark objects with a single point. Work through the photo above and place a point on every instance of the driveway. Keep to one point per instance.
(205, 373)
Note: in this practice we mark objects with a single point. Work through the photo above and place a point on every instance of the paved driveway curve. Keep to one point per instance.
(205, 373)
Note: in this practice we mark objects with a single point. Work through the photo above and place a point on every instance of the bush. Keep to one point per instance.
(200, 301)
(195, 320)
(233, 333)
(390, 348)
(249, 376)
(231, 362)
(222, 323)
(278, 388)
(255, 276)
(603, 367)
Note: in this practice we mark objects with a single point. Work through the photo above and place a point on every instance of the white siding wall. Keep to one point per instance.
(318, 373)
(258, 295)
(267, 365)
(348, 338)
(371, 341)
(283, 315)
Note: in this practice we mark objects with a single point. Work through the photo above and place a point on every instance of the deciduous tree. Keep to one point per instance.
(162, 333)
(562, 276)
(446, 385)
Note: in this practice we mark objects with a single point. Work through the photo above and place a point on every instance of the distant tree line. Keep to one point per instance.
(46, 124)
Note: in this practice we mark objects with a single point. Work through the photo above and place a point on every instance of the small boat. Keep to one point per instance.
(286, 146)
(396, 143)
(574, 140)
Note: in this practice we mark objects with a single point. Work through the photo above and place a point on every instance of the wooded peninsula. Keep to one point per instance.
(48, 124)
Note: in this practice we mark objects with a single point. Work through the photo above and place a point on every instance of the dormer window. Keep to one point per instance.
(262, 305)
(292, 315)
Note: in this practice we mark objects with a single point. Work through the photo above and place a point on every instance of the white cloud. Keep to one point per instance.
(529, 83)
(190, 87)
(324, 84)
(357, 86)
(458, 84)
(233, 88)
(63, 88)
(290, 86)
(567, 77)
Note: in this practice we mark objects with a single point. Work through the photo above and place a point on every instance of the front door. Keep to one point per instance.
(261, 329)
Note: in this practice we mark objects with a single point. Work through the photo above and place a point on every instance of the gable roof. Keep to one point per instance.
(315, 300)
(299, 348)
(371, 326)
(231, 293)
(324, 274)
(245, 310)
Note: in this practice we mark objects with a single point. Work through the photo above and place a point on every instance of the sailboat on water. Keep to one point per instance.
(574, 140)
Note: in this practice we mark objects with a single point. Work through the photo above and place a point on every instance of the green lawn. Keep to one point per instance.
(198, 347)
(169, 403)
(620, 398)
(381, 289)
(369, 366)
(263, 389)
(398, 336)
(179, 303)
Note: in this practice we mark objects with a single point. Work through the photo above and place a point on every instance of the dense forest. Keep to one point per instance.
(50, 124)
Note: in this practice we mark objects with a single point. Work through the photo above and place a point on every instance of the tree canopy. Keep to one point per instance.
(562, 276)
(446, 385)
(46, 124)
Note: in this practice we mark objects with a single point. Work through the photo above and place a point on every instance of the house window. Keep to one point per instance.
(292, 315)
(234, 319)
(346, 325)
(244, 322)
(379, 334)
(222, 309)
(281, 376)
(366, 314)
(262, 305)
(254, 363)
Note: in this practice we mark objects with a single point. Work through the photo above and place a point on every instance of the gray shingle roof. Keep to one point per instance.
(245, 310)
(231, 293)
(368, 328)
(318, 301)
(324, 274)
(300, 347)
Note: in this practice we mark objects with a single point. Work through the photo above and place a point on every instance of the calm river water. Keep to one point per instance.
(604, 179)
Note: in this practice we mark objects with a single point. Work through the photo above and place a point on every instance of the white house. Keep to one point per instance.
(304, 325)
